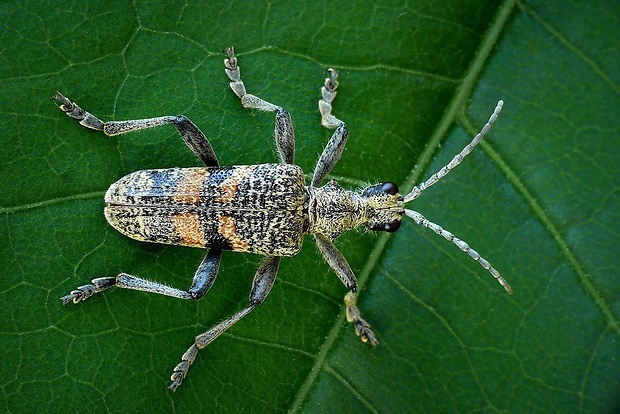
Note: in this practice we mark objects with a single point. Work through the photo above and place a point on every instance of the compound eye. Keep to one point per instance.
(389, 188)
(392, 226)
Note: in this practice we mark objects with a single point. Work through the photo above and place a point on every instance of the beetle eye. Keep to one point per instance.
(392, 226)
(389, 188)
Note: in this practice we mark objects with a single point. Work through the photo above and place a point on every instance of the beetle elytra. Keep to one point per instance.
(264, 209)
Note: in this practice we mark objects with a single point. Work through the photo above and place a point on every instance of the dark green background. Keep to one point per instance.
(539, 199)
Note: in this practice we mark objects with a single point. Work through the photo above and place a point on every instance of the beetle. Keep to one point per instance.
(263, 209)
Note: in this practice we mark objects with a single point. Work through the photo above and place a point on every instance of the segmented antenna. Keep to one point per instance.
(423, 221)
(458, 158)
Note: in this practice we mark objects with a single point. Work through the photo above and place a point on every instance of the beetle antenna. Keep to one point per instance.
(423, 221)
(417, 190)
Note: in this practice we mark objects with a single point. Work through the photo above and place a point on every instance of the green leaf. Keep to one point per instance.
(538, 198)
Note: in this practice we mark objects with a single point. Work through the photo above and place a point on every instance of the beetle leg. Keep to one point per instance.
(330, 155)
(206, 274)
(334, 148)
(261, 286)
(203, 280)
(191, 134)
(284, 135)
(339, 264)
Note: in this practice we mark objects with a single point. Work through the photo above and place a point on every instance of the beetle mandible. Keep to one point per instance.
(264, 209)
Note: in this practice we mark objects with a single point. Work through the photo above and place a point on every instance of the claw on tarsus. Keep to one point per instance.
(362, 328)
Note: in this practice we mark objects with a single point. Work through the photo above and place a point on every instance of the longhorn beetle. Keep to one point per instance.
(264, 209)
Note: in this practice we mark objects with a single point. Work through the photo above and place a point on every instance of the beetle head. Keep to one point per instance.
(384, 211)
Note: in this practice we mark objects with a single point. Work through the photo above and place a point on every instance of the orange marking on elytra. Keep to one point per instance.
(229, 185)
(187, 225)
(228, 229)
(189, 189)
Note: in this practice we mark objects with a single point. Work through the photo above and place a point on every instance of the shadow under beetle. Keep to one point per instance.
(264, 209)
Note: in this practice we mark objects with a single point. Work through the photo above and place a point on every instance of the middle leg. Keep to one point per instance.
(284, 135)
(202, 282)
(334, 148)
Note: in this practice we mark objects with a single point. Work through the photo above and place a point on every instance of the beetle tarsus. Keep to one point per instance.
(79, 294)
(86, 291)
(72, 110)
(180, 371)
(362, 328)
(178, 375)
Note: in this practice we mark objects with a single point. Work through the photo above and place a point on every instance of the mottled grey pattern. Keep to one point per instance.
(265, 203)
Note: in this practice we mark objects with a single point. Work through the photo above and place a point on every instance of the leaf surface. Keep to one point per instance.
(538, 198)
